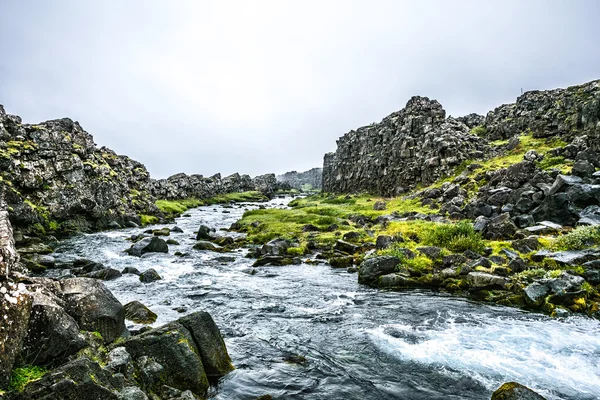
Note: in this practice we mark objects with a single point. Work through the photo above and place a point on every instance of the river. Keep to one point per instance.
(345, 340)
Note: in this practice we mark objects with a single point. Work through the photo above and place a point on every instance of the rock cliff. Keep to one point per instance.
(418, 144)
(298, 180)
(55, 178)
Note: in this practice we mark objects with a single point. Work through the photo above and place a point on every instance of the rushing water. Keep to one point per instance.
(358, 343)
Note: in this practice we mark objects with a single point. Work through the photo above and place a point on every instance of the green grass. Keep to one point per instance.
(177, 207)
(479, 131)
(21, 377)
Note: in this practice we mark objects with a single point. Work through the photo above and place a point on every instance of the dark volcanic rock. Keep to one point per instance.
(148, 245)
(372, 268)
(515, 391)
(149, 275)
(139, 313)
(94, 307)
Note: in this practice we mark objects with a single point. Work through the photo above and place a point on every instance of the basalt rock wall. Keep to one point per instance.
(417, 144)
(54, 177)
(297, 180)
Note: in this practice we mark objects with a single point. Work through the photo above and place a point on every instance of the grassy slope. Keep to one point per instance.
(323, 210)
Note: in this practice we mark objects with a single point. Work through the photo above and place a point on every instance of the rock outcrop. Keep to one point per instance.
(55, 178)
(311, 179)
(417, 144)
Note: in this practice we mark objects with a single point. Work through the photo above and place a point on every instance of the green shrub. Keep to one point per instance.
(20, 377)
(578, 239)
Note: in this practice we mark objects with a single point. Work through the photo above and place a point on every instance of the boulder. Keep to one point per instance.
(383, 242)
(204, 233)
(352, 235)
(535, 293)
(81, 378)
(379, 205)
(500, 227)
(345, 247)
(372, 268)
(139, 313)
(94, 307)
(515, 391)
(482, 280)
(583, 169)
(205, 245)
(395, 280)
(130, 270)
(207, 338)
(15, 306)
(161, 232)
(276, 247)
(149, 275)
(148, 245)
(52, 334)
(176, 229)
(170, 357)
(341, 262)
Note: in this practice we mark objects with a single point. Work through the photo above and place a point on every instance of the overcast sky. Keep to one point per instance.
(268, 86)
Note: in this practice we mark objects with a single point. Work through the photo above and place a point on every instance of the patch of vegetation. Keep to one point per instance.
(457, 237)
(177, 207)
(237, 197)
(479, 131)
(148, 219)
(21, 377)
(578, 239)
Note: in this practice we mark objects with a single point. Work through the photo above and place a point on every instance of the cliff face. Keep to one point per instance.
(296, 180)
(55, 178)
(419, 145)
(570, 112)
(414, 145)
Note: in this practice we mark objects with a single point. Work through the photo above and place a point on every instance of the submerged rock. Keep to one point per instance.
(515, 391)
(139, 313)
(148, 245)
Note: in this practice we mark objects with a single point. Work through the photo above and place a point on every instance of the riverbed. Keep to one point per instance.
(312, 332)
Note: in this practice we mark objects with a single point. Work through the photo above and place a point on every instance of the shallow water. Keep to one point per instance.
(359, 343)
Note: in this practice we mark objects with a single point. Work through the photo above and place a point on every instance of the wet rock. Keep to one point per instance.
(139, 313)
(176, 229)
(276, 247)
(396, 280)
(205, 245)
(345, 247)
(94, 307)
(371, 269)
(204, 233)
(161, 232)
(482, 280)
(35, 248)
(106, 274)
(148, 245)
(515, 391)
(211, 347)
(565, 283)
(272, 260)
(341, 262)
(224, 241)
(172, 242)
(130, 270)
(149, 276)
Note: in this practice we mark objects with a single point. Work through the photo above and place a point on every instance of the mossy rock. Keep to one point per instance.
(515, 391)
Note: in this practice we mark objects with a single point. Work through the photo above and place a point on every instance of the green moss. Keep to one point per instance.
(21, 377)
(177, 207)
(296, 251)
(97, 335)
(148, 219)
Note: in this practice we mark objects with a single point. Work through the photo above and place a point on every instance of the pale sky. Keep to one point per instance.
(268, 86)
